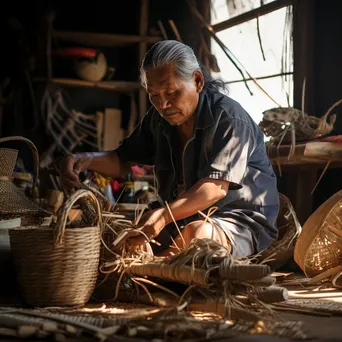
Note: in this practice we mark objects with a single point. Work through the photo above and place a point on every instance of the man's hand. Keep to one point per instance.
(151, 224)
(70, 167)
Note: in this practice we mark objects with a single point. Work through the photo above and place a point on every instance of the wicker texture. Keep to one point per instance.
(14, 202)
(319, 246)
(58, 265)
(8, 158)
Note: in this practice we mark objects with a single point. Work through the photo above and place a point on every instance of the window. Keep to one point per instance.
(263, 49)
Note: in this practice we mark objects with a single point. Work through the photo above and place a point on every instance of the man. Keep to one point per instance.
(207, 152)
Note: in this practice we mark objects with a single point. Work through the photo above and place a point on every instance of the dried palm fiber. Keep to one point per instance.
(289, 228)
(58, 265)
(318, 250)
(209, 266)
(204, 263)
(288, 125)
(114, 224)
(14, 203)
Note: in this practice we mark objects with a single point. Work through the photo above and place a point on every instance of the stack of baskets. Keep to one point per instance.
(16, 209)
(58, 265)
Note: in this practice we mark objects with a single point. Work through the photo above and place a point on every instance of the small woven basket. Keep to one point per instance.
(289, 228)
(58, 266)
(319, 246)
(287, 125)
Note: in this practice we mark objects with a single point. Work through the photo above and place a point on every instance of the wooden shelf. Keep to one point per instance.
(120, 86)
(102, 39)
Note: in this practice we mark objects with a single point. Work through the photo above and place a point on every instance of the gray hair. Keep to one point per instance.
(181, 57)
(165, 52)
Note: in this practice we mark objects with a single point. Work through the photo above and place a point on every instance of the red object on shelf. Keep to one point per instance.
(75, 52)
(116, 186)
(333, 138)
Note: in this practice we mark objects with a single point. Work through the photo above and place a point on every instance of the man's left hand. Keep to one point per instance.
(151, 224)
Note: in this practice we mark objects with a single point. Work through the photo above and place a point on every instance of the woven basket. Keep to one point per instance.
(14, 203)
(319, 246)
(289, 228)
(287, 125)
(58, 265)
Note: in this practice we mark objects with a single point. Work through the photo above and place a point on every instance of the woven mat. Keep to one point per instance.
(323, 299)
(131, 322)
(319, 305)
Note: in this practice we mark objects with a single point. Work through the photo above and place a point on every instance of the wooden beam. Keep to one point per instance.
(142, 52)
(261, 77)
(119, 86)
(303, 55)
(311, 152)
(103, 39)
(257, 12)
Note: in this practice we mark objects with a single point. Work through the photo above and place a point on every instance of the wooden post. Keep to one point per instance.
(142, 52)
(1, 110)
(303, 54)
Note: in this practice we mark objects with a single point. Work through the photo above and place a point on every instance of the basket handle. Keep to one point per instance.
(64, 212)
(35, 157)
(325, 116)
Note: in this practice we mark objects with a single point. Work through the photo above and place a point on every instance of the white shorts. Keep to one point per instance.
(240, 238)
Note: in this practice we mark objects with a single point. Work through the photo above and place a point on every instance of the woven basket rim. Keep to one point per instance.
(308, 236)
(48, 228)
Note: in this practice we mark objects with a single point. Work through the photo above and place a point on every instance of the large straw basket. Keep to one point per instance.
(58, 265)
(14, 203)
(319, 246)
(289, 228)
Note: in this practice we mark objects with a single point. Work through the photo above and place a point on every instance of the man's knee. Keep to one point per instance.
(199, 230)
(204, 230)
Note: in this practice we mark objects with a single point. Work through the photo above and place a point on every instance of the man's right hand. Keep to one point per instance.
(70, 167)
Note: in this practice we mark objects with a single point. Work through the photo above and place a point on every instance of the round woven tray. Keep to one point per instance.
(319, 246)
(58, 266)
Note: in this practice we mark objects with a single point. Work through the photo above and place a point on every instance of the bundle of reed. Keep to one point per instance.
(114, 246)
(240, 286)
(289, 228)
(244, 285)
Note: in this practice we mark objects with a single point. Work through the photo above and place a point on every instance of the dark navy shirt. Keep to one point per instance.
(226, 144)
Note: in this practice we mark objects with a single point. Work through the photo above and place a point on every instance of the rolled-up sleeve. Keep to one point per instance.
(232, 145)
(138, 147)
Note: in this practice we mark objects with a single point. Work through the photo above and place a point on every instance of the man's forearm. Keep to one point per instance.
(201, 196)
(107, 163)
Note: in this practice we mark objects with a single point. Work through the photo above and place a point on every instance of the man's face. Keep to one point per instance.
(175, 99)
